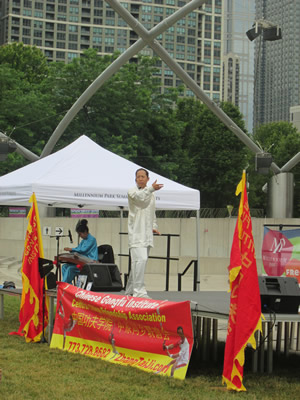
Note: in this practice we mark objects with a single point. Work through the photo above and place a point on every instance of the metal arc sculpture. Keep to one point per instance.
(148, 38)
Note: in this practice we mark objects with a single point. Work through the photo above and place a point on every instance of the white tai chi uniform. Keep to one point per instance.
(184, 353)
(141, 222)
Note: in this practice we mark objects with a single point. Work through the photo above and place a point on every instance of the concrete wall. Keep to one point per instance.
(215, 240)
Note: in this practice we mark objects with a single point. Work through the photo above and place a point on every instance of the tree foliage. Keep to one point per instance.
(25, 103)
(213, 156)
(126, 115)
(282, 140)
(179, 138)
(27, 59)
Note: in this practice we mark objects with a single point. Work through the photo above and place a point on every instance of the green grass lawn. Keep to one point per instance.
(34, 371)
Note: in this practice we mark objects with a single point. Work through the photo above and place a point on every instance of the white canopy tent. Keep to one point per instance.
(86, 175)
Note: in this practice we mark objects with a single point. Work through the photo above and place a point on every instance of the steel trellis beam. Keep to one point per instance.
(114, 67)
(190, 83)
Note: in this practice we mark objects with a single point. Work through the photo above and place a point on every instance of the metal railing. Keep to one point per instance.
(168, 257)
(181, 274)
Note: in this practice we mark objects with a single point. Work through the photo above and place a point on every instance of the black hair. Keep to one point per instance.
(179, 327)
(142, 169)
(81, 226)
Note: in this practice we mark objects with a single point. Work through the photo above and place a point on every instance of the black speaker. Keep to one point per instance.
(51, 280)
(96, 277)
(279, 294)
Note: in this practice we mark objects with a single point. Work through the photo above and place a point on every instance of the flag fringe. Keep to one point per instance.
(34, 318)
(240, 358)
(231, 386)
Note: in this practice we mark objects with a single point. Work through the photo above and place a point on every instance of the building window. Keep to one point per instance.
(110, 22)
(97, 31)
(38, 24)
(72, 55)
(26, 22)
(110, 14)
(61, 36)
(72, 46)
(37, 33)
(73, 28)
(38, 5)
(109, 40)
(73, 38)
(60, 54)
(97, 39)
(61, 27)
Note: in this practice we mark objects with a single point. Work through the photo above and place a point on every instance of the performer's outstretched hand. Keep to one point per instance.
(157, 186)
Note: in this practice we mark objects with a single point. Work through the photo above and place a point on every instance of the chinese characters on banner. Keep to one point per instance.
(153, 335)
(245, 305)
(31, 311)
(281, 252)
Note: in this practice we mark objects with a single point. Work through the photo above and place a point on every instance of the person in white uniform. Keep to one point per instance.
(141, 226)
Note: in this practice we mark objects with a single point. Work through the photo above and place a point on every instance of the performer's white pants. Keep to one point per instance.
(136, 281)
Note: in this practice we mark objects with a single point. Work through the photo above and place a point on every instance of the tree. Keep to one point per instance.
(214, 156)
(28, 59)
(127, 115)
(282, 140)
(25, 103)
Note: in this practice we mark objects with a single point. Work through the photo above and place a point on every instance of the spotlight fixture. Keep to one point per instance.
(263, 162)
(268, 30)
(253, 33)
(6, 146)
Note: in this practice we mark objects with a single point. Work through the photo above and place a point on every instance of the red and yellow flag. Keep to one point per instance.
(31, 310)
(245, 307)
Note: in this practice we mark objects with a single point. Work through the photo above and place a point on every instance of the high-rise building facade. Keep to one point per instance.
(277, 69)
(63, 29)
(239, 16)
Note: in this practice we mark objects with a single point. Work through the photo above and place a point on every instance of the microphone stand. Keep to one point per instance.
(57, 254)
(45, 266)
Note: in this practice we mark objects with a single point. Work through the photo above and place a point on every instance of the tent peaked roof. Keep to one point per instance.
(86, 175)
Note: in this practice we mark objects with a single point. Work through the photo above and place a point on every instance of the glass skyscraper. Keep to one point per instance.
(277, 69)
(239, 16)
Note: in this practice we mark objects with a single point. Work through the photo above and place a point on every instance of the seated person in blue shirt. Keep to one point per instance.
(87, 247)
